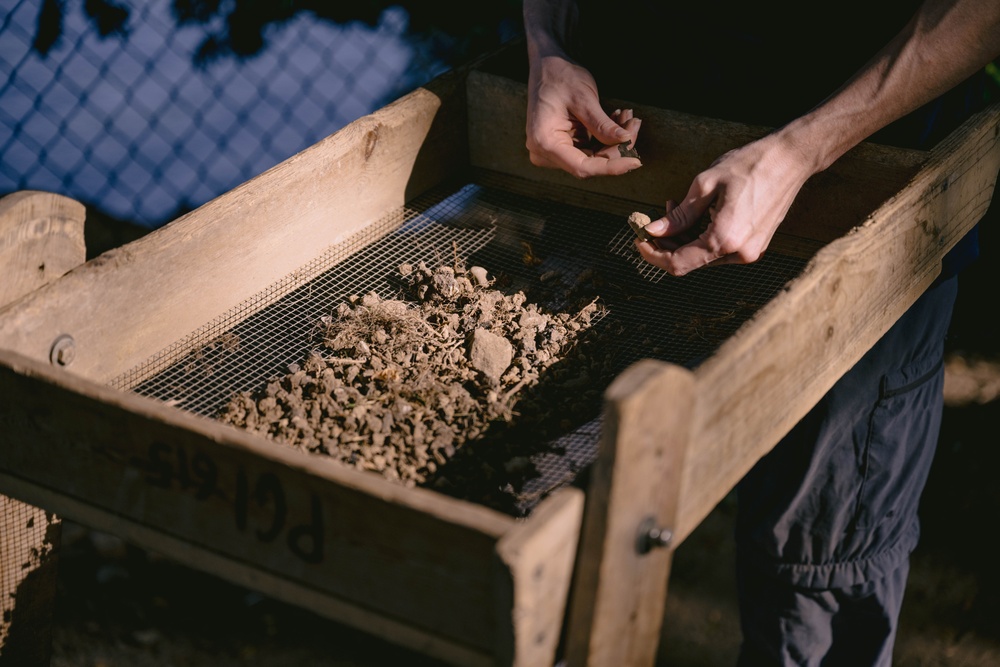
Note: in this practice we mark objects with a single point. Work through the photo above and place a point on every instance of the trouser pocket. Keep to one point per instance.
(896, 455)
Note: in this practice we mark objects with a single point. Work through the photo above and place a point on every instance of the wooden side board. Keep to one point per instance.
(884, 217)
(130, 302)
(536, 565)
(447, 578)
(699, 433)
(772, 371)
(410, 563)
(675, 147)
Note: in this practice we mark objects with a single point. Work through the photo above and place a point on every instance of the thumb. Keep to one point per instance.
(679, 217)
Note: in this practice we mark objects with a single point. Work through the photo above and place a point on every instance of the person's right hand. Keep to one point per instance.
(746, 192)
(565, 118)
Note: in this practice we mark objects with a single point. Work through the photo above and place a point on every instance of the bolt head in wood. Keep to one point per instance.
(63, 350)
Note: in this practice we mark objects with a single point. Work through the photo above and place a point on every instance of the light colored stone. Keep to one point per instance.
(489, 353)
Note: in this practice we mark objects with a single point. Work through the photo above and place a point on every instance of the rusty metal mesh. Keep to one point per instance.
(523, 236)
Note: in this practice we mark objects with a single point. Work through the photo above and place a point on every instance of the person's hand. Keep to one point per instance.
(568, 129)
(746, 192)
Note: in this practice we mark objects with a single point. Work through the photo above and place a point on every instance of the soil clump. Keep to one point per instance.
(454, 384)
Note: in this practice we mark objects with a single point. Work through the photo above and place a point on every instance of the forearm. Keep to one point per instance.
(548, 27)
(944, 43)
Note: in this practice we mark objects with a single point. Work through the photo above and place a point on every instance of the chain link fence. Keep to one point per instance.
(135, 124)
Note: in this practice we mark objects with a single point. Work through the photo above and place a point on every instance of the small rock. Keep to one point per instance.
(444, 282)
(478, 273)
(638, 221)
(489, 353)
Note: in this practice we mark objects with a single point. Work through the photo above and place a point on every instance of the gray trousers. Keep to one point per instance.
(826, 521)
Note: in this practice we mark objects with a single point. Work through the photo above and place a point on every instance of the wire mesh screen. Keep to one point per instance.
(520, 237)
(28, 558)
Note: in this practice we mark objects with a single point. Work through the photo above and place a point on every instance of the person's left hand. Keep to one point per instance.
(747, 193)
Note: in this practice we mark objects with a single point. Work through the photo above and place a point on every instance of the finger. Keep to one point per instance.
(667, 226)
(631, 125)
(622, 116)
(582, 165)
(685, 215)
(682, 260)
(602, 166)
(615, 152)
(603, 128)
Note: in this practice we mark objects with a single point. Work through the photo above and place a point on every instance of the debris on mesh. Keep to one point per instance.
(454, 384)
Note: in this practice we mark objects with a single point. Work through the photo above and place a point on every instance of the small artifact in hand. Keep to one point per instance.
(638, 221)
(625, 150)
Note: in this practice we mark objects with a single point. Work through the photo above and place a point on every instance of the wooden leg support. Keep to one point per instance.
(41, 238)
(620, 580)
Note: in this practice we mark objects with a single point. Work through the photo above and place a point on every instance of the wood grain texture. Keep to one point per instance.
(41, 238)
(129, 303)
(449, 578)
(674, 148)
(777, 366)
(535, 562)
(619, 592)
(416, 557)
(251, 577)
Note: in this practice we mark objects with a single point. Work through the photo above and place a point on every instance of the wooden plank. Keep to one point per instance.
(675, 147)
(249, 576)
(618, 589)
(412, 555)
(535, 569)
(130, 302)
(773, 370)
(41, 238)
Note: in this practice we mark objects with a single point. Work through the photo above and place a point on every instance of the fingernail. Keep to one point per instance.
(656, 227)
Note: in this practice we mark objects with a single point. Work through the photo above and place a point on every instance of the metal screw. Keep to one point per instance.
(63, 350)
(652, 536)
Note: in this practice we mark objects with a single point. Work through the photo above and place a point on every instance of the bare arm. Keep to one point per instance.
(750, 189)
(942, 45)
(564, 110)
